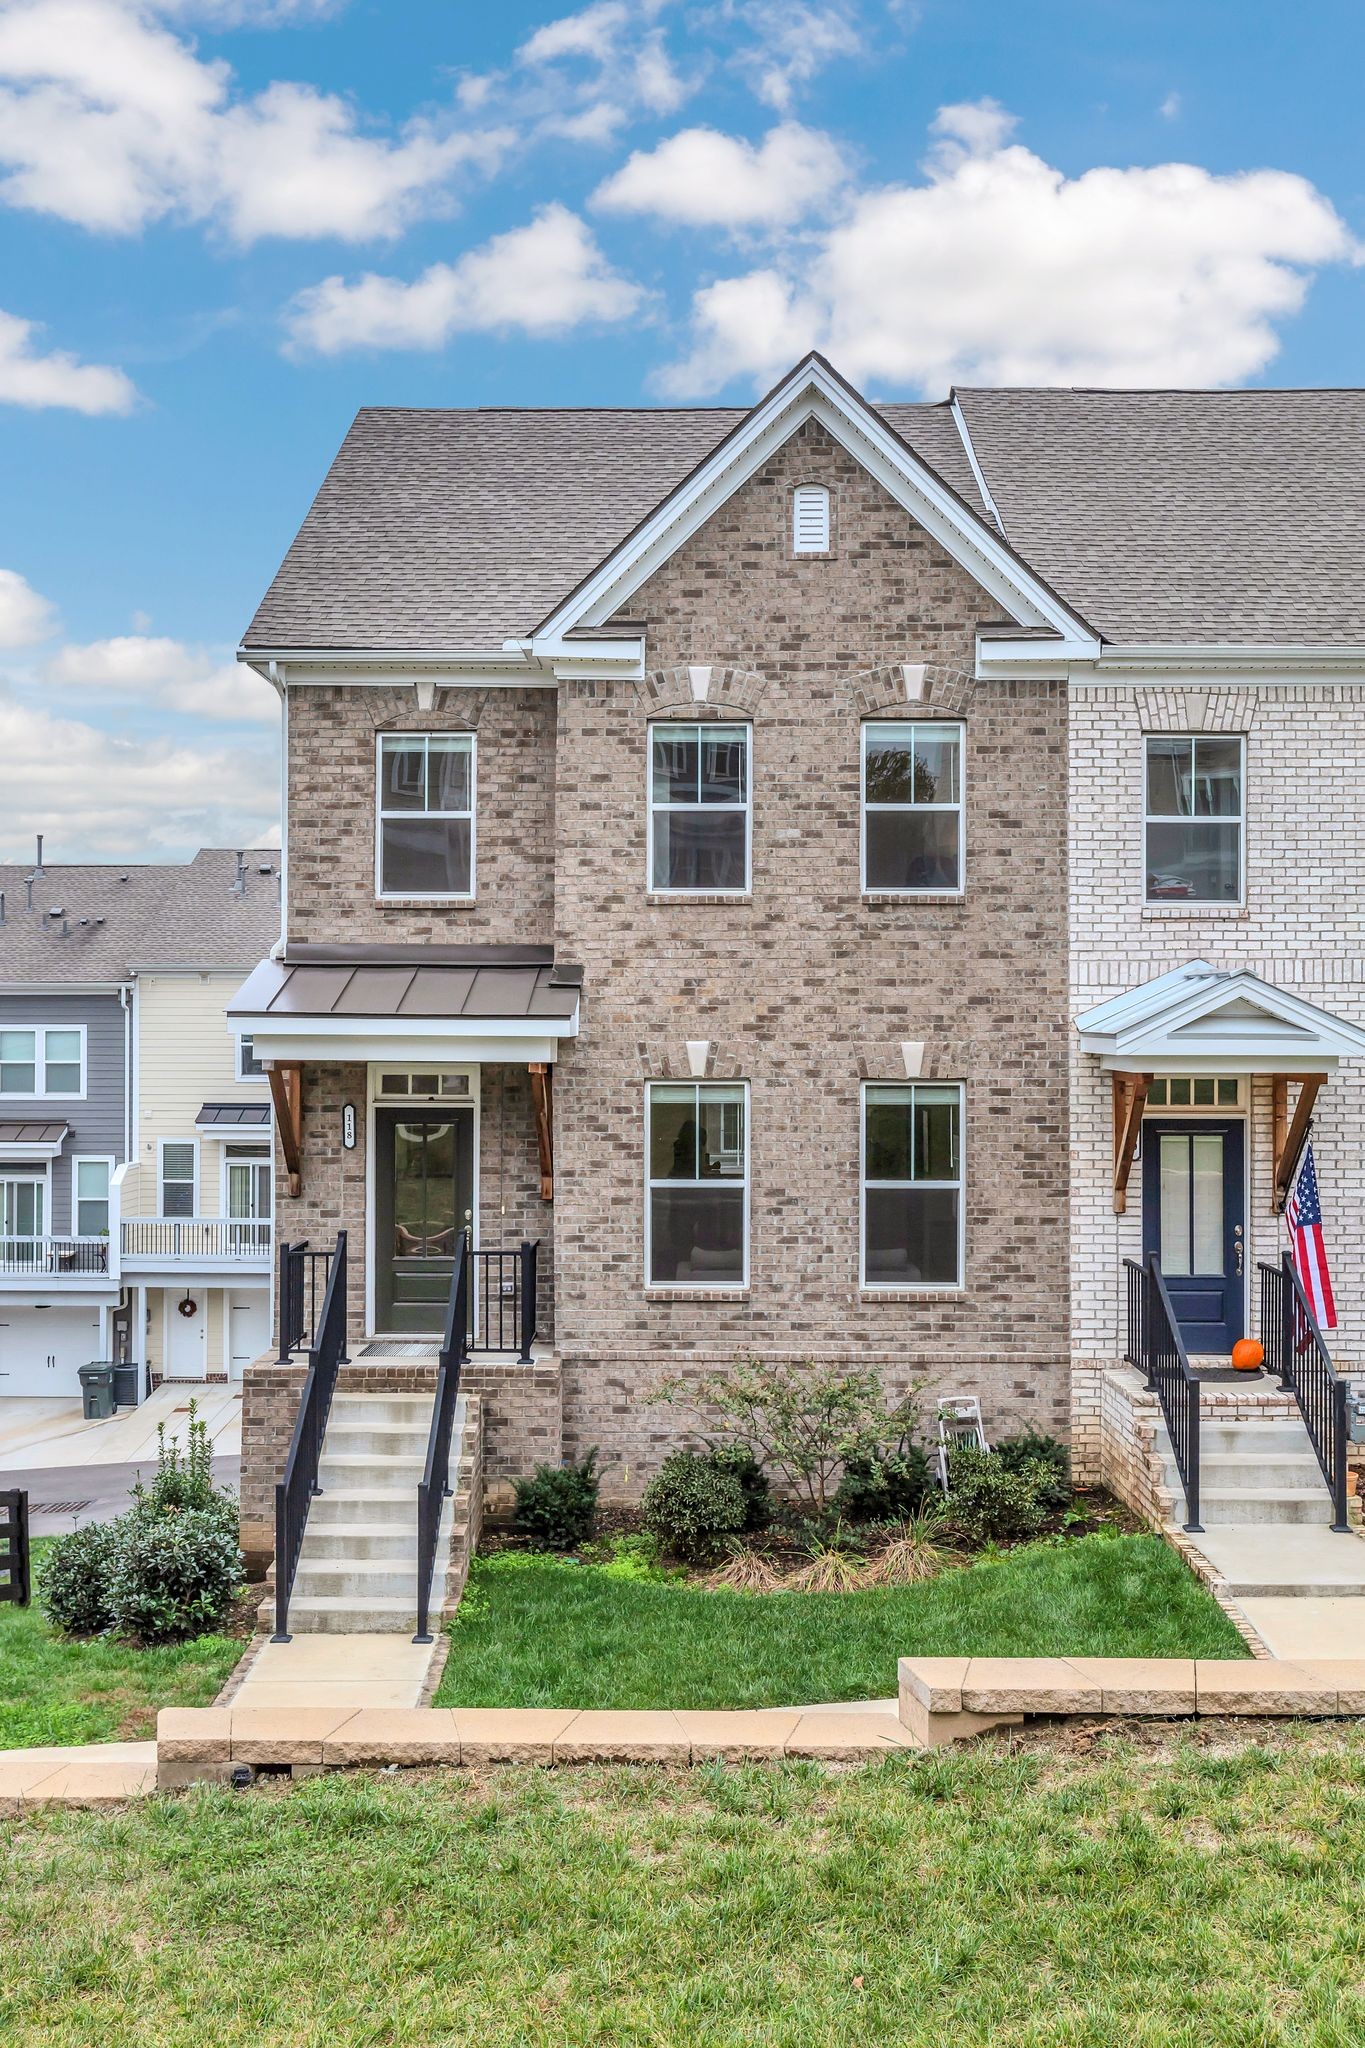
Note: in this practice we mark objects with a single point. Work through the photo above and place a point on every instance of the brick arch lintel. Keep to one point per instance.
(919, 688)
(699, 688)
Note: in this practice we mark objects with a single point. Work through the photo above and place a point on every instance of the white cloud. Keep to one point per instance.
(25, 617)
(133, 668)
(592, 32)
(1169, 109)
(998, 269)
(30, 379)
(705, 179)
(583, 76)
(541, 279)
(109, 120)
(97, 794)
(792, 43)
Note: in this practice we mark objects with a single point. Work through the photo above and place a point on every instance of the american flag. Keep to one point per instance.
(1303, 1214)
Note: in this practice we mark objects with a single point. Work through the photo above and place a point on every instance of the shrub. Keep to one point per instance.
(889, 1489)
(739, 1461)
(836, 1566)
(694, 1505)
(990, 1502)
(556, 1508)
(1034, 1449)
(804, 1422)
(73, 1579)
(917, 1551)
(174, 1573)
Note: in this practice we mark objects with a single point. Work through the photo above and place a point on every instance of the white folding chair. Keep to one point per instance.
(959, 1423)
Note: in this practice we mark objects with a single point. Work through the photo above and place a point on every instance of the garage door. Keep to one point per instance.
(42, 1348)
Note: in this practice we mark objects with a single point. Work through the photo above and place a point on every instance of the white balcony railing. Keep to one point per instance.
(244, 1240)
(47, 1258)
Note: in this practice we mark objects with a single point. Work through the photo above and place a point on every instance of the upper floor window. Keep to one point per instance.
(177, 1177)
(425, 829)
(249, 1067)
(90, 1196)
(699, 808)
(42, 1062)
(1194, 818)
(912, 1185)
(810, 520)
(697, 1214)
(912, 807)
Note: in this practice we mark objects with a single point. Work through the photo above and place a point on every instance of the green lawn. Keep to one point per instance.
(54, 1689)
(1142, 1898)
(557, 1634)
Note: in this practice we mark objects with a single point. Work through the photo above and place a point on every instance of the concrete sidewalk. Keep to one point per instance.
(89, 1774)
(336, 1671)
(42, 1435)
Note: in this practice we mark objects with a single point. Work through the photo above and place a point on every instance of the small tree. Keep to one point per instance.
(805, 1422)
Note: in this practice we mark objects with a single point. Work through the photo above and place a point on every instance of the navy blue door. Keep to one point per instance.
(1193, 1218)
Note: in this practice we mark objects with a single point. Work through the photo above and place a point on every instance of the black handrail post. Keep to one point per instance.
(295, 1491)
(529, 1254)
(283, 1302)
(1287, 1324)
(1193, 1525)
(1340, 1521)
(434, 1488)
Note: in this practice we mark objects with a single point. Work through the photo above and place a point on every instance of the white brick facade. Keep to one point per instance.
(1300, 929)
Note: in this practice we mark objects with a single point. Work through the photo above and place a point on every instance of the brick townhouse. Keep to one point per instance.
(775, 861)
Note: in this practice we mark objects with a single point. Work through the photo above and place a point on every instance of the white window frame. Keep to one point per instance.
(245, 1039)
(1197, 904)
(41, 1091)
(957, 1286)
(78, 1160)
(806, 493)
(384, 895)
(956, 725)
(161, 1145)
(699, 726)
(712, 1285)
(28, 1177)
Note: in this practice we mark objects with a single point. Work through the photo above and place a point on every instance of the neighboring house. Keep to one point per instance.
(134, 1145)
(714, 839)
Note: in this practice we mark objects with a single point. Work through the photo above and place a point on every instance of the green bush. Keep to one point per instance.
(991, 1503)
(1032, 1448)
(694, 1505)
(889, 1489)
(739, 1461)
(174, 1573)
(73, 1579)
(556, 1508)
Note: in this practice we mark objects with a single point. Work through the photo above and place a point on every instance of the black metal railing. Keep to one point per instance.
(503, 1300)
(295, 1492)
(48, 1255)
(302, 1290)
(1154, 1335)
(1296, 1350)
(433, 1489)
(15, 1581)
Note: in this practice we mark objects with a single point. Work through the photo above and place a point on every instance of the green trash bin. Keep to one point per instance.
(97, 1391)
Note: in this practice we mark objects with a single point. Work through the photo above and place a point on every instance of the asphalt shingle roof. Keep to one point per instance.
(1160, 516)
(165, 915)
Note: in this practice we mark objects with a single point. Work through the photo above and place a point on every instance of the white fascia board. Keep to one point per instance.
(1004, 659)
(1277, 1003)
(1311, 1038)
(811, 393)
(18, 1152)
(1149, 999)
(1102, 664)
(1237, 1061)
(387, 1040)
(62, 988)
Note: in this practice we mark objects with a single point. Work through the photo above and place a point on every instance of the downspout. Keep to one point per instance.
(124, 1311)
(280, 685)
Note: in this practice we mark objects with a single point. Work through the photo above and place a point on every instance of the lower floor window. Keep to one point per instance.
(912, 1185)
(698, 1196)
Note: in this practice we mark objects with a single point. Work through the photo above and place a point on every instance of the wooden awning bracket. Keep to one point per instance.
(1130, 1099)
(286, 1092)
(543, 1099)
(1290, 1133)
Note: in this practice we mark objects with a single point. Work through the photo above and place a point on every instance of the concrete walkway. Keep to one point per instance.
(1321, 1627)
(41, 1434)
(336, 1671)
(91, 1774)
(1298, 1560)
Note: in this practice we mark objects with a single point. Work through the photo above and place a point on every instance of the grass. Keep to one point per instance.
(547, 1633)
(1017, 1897)
(56, 1689)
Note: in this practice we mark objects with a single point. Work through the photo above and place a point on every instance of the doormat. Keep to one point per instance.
(396, 1348)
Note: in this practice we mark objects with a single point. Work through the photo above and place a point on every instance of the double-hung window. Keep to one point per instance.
(912, 1185)
(699, 809)
(425, 825)
(90, 1196)
(1194, 818)
(912, 808)
(697, 1209)
(38, 1062)
(249, 1067)
(177, 1177)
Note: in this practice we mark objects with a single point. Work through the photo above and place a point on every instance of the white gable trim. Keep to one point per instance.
(1200, 1019)
(812, 391)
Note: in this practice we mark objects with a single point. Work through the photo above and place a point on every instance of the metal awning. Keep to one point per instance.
(29, 1139)
(233, 1119)
(1201, 1019)
(409, 1002)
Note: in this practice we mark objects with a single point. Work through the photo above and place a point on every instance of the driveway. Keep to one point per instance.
(45, 1435)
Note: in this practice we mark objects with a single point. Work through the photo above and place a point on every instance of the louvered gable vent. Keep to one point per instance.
(810, 520)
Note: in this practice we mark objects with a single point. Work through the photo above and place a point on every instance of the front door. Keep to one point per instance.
(423, 1198)
(1194, 1219)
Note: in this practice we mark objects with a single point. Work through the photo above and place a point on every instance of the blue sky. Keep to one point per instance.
(225, 224)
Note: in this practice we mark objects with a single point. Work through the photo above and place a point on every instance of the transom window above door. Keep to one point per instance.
(1194, 1091)
(699, 809)
(425, 815)
(912, 808)
(1194, 818)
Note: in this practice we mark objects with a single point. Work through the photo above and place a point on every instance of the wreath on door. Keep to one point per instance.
(189, 1307)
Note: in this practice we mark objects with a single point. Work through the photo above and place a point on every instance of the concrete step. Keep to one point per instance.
(360, 1470)
(1269, 1507)
(361, 1580)
(337, 1615)
(1260, 1439)
(409, 1410)
(1246, 1474)
(352, 1438)
(363, 1540)
(1297, 1563)
(343, 1504)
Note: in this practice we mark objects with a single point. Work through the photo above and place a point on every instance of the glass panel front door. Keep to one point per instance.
(424, 1188)
(1193, 1218)
(21, 1221)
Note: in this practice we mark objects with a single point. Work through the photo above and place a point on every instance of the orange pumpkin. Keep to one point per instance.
(1248, 1354)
